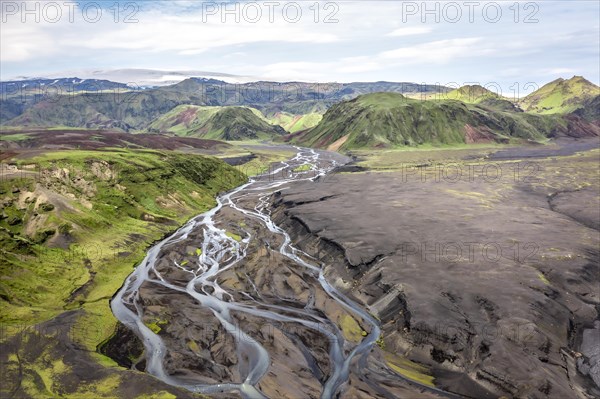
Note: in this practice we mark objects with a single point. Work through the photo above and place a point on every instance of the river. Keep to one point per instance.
(219, 253)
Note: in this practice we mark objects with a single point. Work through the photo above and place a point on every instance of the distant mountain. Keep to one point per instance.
(143, 77)
(383, 120)
(135, 110)
(288, 96)
(561, 96)
(220, 123)
(16, 96)
(57, 86)
(113, 109)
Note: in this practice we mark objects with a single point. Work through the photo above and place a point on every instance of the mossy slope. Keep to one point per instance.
(74, 230)
(220, 123)
(295, 123)
(387, 120)
(561, 96)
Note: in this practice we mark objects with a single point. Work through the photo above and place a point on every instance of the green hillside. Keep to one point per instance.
(382, 120)
(590, 110)
(295, 123)
(560, 96)
(220, 123)
(99, 200)
(203, 108)
(470, 94)
(475, 94)
(71, 230)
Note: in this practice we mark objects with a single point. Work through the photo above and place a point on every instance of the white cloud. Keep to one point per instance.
(22, 42)
(149, 77)
(187, 36)
(435, 52)
(410, 31)
(558, 71)
(366, 64)
(158, 30)
(440, 51)
(289, 71)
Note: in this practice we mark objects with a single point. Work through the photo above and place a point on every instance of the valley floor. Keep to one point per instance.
(480, 266)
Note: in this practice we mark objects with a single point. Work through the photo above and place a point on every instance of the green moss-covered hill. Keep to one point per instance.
(220, 123)
(295, 123)
(476, 94)
(113, 202)
(388, 120)
(470, 94)
(73, 224)
(561, 96)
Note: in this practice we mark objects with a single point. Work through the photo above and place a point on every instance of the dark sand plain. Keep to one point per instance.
(485, 269)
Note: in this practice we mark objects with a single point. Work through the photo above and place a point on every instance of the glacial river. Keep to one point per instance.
(221, 252)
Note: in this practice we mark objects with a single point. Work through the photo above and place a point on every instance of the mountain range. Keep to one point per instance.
(135, 109)
(337, 116)
(470, 114)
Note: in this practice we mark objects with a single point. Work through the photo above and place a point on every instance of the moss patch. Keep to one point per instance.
(351, 329)
(543, 278)
(234, 236)
(410, 370)
(156, 325)
(303, 168)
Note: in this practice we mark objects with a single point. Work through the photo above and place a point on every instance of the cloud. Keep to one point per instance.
(411, 31)
(158, 30)
(289, 71)
(435, 52)
(558, 71)
(440, 51)
(22, 42)
(187, 36)
(369, 42)
(148, 77)
(358, 65)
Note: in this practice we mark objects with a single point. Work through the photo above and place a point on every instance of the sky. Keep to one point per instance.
(508, 45)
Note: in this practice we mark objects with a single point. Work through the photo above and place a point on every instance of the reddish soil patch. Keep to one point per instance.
(337, 144)
(289, 137)
(6, 154)
(97, 139)
(579, 127)
(186, 117)
(478, 135)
